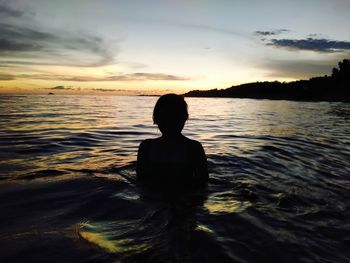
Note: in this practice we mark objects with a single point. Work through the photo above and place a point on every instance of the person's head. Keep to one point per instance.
(170, 114)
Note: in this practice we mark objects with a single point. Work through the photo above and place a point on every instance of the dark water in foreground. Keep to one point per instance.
(279, 189)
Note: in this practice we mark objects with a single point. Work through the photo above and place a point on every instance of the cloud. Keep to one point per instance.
(59, 48)
(123, 91)
(16, 38)
(134, 65)
(6, 77)
(7, 11)
(271, 33)
(106, 90)
(120, 77)
(313, 44)
(7, 46)
(147, 76)
(58, 88)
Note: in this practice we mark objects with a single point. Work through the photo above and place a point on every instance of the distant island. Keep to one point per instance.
(327, 88)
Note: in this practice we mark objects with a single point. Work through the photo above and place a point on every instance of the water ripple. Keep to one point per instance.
(279, 185)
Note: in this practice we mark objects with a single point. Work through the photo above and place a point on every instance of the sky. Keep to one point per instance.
(161, 46)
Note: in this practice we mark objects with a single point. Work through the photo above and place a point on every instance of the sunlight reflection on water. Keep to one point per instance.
(279, 181)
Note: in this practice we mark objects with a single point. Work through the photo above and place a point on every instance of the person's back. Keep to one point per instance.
(171, 162)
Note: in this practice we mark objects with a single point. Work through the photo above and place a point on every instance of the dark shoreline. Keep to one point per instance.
(296, 94)
(334, 88)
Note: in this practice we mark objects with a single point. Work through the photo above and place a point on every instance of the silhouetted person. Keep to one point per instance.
(171, 162)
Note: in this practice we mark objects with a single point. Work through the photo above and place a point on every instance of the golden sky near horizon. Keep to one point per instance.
(154, 47)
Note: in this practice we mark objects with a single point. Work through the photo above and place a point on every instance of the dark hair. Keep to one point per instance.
(170, 108)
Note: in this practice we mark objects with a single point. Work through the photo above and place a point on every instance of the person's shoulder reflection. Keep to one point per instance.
(172, 162)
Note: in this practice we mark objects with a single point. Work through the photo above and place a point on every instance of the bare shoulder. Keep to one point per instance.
(144, 147)
(145, 143)
(196, 146)
(193, 143)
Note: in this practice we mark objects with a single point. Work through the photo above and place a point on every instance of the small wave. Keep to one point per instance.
(43, 174)
(278, 187)
(109, 237)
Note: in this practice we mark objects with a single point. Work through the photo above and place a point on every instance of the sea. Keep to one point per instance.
(279, 187)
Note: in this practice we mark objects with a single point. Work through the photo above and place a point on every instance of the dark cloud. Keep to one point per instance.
(7, 11)
(15, 35)
(147, 76)
(7, 46)
(105, 90)
(123, 91)
(63, 88)
(121, 77)
(6, 77)
(23, 42)
(315, 35)
(58, 88)
(271, 33)
(313, 44)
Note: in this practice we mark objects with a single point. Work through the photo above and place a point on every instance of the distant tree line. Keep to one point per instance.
(327, 88)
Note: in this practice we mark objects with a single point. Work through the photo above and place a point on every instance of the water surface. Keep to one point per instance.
(279, 185)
